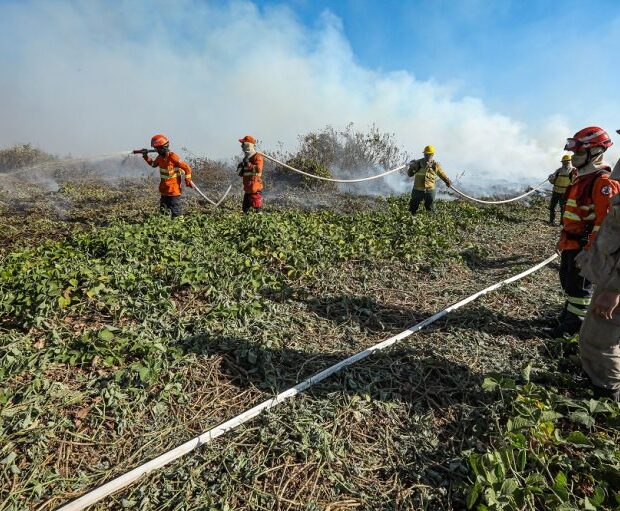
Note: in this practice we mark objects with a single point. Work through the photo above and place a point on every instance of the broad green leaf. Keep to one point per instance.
(579, 439)
(509, 486)
(473, 495)
(582, 418)
(9, 459)
(106, 335)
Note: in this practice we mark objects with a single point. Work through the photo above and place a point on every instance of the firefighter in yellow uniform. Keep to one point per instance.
(560, 180)
(424, 172)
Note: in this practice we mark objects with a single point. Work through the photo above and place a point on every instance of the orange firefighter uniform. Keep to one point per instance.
(171, 170)
(251, 170)
(587, 203)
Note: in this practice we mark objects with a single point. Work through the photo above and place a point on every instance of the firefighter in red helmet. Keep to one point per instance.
(251, 170)
(171, 170)
(587, 203)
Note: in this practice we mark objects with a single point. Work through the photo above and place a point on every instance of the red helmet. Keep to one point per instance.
(159, 140)
(248, 138)
(587, 138)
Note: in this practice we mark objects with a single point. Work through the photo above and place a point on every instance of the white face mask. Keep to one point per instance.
(429, 157)
(248, 149)
(579, 159)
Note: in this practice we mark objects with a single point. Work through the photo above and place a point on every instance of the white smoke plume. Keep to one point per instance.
(94, 77)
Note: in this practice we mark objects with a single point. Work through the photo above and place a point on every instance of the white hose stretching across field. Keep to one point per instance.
(359, 180)
(505, 201)
(377, 176)
(126, 479)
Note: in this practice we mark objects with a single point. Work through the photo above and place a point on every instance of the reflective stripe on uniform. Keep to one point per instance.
(579, 301)
(248, 174)
(170, 174)
(571, 202)
(596, 228)
(576, 310)
(572, 216)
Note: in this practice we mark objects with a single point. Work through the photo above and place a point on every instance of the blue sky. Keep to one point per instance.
(497, 86)
(527, 58)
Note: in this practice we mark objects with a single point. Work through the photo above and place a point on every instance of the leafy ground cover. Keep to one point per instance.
(124, 334)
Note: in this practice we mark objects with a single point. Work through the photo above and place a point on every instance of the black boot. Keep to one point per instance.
(568, 324)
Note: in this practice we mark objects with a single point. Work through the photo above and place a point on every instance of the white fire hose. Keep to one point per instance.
(126, 479)
(377, 176)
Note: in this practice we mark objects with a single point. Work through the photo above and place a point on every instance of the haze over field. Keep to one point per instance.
(95, 78)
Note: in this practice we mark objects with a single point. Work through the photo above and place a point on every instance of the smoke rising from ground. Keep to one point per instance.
(91, 78)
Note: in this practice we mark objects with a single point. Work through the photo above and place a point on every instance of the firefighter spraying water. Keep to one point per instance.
(171, 170)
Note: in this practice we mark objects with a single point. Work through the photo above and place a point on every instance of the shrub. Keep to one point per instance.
(332, 153)
(22, 155)
(313, 167)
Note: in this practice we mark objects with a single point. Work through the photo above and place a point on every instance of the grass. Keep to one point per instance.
(124, 334)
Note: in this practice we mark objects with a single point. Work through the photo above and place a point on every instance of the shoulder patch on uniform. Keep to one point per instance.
(606, 190)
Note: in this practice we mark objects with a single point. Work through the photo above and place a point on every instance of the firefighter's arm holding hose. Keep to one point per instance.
(145, 155)
(443, 175)
(247, 168)
(414, 166)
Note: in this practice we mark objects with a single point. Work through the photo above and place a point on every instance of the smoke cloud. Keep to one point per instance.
(90, 78)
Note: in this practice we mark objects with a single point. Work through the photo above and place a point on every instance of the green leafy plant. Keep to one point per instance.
(553, 452)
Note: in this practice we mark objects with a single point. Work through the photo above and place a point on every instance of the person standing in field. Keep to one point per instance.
(599, 340)
(251, 170)
(560, 180)
(171, 170)
(587, 203)
(424, 172)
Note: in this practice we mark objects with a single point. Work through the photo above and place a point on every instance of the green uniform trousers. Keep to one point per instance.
(418, 196)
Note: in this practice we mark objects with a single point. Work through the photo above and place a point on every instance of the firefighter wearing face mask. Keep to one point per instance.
(171, 170)
(251, 170)
(424, 172)
(560, 180)
(587, 203)
(599, 339)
